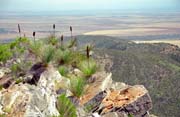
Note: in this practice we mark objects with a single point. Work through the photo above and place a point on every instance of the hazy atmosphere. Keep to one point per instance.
(58, 5)
(89, 58)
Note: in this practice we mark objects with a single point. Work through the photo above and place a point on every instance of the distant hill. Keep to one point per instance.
(157, 66)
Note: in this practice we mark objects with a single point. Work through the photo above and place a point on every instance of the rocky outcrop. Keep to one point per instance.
(103, 97)
(25, 100)
(117, 99)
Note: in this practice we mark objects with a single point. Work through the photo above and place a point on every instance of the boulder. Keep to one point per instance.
(25, 100)
(102, 82)
(134, 100)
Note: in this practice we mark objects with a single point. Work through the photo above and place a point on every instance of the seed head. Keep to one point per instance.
(62, 37)
(34, 34)
(87, 52)
(54, 26)
(19, 28)
(71, 28)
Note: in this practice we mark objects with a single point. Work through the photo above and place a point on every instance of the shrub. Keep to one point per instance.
(5, 52)
(63, 70)
(19, 46)
(47, 54)
(20, 69)
(62, 56)
(77, 86)
(76, 58)
(36, 48)
(65, 107)
(52, 40)
(88, 67)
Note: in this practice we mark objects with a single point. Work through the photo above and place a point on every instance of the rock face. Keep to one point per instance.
(117, 99)
(25, 100)
(103, 97)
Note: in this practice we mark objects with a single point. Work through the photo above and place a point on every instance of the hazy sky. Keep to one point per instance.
(54, 5)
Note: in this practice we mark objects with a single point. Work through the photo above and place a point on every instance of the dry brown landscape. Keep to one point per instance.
(139, 27)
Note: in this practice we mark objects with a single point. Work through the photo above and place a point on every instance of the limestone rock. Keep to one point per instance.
(4, 71)
(134, 100)
(25, 100)
(102, 82)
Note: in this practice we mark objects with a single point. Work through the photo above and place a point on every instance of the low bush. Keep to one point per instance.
(62, 56)
(5, 52)
(65, 107)
(77, 86)
(63, 70)
(47, 54)
(88, 67)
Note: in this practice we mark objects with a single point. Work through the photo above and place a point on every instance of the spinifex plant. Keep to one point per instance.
(47, 55)
(88, 67)
(77, 86)
(65, 107)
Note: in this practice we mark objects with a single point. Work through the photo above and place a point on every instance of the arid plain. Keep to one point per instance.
(139, 27)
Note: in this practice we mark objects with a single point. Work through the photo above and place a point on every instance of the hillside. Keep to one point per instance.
(56, 78)
(157, 66)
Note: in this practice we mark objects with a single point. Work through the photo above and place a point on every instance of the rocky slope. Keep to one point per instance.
(156, 66)
(104, 97)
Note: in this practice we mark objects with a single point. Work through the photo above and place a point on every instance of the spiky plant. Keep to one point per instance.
(63, 70)
(65, 107)
(77, 86)
(88, 67)
(5, 52)
(62, 56)
(47, 54)
(52, 40)
(36, 48)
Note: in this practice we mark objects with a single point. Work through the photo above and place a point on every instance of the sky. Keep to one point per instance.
(58, 5)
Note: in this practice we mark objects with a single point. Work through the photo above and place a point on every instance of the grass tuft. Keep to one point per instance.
(88, 67)
(77, 86)
(65, 107)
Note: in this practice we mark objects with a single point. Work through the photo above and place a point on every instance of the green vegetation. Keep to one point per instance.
(63, 70)
(5, 52)
(65, 107)
(52, 40)
(47, 54)
(146, 64)
(77, 86)
(130, 115)
(36, 48)
(62, 56)
(88, 67)
(3, 115)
